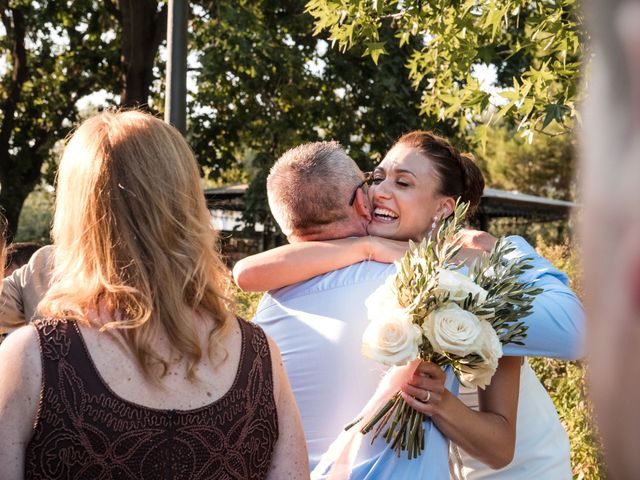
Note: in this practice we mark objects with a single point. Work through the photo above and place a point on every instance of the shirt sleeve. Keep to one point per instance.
(556, 323)
(23, 290)
(11, 307)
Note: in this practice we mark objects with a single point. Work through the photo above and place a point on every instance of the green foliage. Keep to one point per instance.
(545, 168)
(534, 45)
(36, 217)
(246, 302)
(566, 383)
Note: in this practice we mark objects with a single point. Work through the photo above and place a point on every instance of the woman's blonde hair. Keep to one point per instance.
(133, 237)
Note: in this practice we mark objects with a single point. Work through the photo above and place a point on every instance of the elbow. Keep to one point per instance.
(500, 459)
(241, 277)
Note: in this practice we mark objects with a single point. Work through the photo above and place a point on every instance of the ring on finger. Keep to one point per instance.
(426, 399)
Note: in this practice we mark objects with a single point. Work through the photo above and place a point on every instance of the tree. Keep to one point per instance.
(55, 56)
(143, 28)
(56, 53)
(545, 168)
(267, 84)
(534, 46)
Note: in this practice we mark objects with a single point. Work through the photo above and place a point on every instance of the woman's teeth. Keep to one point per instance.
(384, 214)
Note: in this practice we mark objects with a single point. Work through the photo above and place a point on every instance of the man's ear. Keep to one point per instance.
(446, 208)
(362, 205)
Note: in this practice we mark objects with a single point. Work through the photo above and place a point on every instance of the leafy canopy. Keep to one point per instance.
(534, 46)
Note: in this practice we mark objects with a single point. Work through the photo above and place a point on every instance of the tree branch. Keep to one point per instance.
(16, 32)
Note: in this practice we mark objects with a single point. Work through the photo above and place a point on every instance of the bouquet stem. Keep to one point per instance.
(404, 426)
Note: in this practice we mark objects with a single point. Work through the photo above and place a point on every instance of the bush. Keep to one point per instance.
(565, 382)
(36, 215)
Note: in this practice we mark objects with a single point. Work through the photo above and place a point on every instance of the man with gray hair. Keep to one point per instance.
(327, 176)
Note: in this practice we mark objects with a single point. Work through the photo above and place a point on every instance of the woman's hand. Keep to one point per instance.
(425, 390)
(385, 250)
(477, 239)
(475, 244)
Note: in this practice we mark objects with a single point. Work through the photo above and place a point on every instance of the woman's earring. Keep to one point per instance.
(433, 226)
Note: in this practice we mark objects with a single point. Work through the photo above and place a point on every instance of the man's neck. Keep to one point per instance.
(330, 232)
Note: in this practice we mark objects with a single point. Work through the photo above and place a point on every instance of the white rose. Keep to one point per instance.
(382, 299)
(453, 330)
(491, 351)
(392, 338)
(491, 346)
(459, 286)
(478, 375)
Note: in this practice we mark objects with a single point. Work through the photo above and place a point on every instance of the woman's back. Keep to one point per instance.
(136, 383)
(100, 418)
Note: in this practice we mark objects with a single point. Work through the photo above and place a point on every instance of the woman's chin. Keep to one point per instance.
(386, 230)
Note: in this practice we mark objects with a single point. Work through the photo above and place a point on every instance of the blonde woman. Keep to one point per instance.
(139, 369)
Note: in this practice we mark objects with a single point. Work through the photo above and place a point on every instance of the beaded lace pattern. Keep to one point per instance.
(85, 431)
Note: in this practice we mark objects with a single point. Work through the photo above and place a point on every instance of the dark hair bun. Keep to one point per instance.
(473, 181)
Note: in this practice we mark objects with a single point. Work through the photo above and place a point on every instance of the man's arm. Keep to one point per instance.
(556, 324)
(23, 290)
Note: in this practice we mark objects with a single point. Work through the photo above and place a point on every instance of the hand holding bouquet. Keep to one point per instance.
(431, 311)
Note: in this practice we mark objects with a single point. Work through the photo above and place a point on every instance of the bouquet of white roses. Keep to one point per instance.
(432, 311)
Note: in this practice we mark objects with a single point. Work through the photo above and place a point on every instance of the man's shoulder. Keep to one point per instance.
(362, 274)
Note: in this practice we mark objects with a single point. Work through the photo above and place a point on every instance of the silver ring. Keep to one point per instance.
(428, 397)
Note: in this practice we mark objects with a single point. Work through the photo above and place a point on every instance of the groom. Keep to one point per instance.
(318, 324)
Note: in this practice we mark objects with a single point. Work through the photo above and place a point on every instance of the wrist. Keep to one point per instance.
(365, 248)
(444, 407)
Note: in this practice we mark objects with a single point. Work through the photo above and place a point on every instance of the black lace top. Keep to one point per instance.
(85, 431)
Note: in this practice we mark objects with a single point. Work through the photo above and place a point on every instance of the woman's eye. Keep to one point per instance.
(402, 183)
(376, 180)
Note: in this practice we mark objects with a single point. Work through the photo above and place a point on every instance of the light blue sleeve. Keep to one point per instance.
(556, 324)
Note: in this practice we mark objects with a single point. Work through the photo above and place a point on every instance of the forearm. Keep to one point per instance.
(556, 323)
(296, 262)
(483, 435)
(556, 326)
(488, 435)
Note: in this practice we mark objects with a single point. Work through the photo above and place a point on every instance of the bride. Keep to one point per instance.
(412, 189)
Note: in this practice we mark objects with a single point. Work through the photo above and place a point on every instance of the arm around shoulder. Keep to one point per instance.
(557, 321)
(290, 458)
(20, 384)
(295, 262)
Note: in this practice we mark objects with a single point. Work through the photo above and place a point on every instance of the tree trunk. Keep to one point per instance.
(144, 28)
(13, 22)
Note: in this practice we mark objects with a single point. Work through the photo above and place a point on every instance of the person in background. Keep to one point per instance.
(24, 288)
(139, 368)
(609, 178)
(17, 255)
(11, 302)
